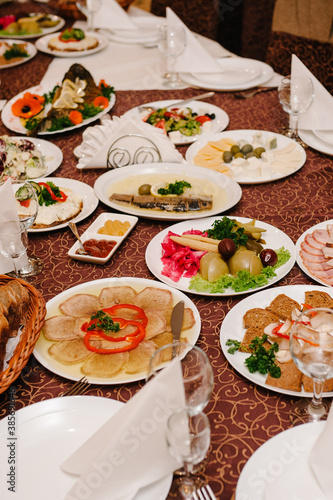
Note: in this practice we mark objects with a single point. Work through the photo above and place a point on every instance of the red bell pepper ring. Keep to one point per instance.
(276, 331)
(53, 196)
(114, 310)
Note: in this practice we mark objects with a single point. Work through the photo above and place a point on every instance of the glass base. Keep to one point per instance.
(304, 412)
(197, 468)
(35, 266)
(186, 488)
(288, 133)
(171, 83)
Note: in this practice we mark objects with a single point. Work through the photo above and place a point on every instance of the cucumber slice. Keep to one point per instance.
(22, 194)
(36, 187)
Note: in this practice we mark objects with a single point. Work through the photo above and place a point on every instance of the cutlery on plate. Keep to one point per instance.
(176, 321)
(73, 227)
(179, 103)
(204, 493)
(251, 92)
(79, 388)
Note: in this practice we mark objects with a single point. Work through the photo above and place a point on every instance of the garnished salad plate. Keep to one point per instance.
(58, 22)
(274, 239)
(14, 123)
(73, 371)
(224, 192)
(49, 432)
(5, 45)
(232, 328)
(42, 45)
(219, 118)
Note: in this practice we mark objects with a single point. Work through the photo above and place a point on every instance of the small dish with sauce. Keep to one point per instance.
(103, 237)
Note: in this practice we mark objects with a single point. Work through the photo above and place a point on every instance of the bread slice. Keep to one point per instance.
(291, 377)
(4, 336)
(257, 319)
(308, 384)
(283, 306)
(317, 298)
(249, 336)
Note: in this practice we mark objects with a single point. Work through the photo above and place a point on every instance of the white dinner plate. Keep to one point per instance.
(226, 192)
(90, 201)
(232, 328)
(237, 73)
(42, 45)
(44, 31)
(268, 463)
(53, 155)
(14, 123)
(73, 372)
(247, 135)
(220, 122)
(299, 260)
(321, 141)
(47, 433)
(273, 236)
(146, 32)
(29, 48)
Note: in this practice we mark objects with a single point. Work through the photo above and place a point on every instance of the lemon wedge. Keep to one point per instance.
(155, 187)
(71, 94)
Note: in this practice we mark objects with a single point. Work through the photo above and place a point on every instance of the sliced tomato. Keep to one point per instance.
(161, 124)
(170, 114)
(25, 203)
(202, 119)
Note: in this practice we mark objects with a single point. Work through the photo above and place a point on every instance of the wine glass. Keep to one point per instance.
(296, 95)
(197, 372)
(27, 199)
(89, 9)
(311, 346)
(13, 242)
(188, 439)
(172, 42)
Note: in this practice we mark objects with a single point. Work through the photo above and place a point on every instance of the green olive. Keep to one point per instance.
(227, 157)
(234, 149)
(259, 151)
(239, 155)
(247, 148)
(252, 154)
(144, 189)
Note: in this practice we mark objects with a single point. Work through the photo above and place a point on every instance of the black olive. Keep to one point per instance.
(268, 257)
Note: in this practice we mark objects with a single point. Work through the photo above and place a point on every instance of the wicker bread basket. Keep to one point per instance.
(30, 333)
(68, 8)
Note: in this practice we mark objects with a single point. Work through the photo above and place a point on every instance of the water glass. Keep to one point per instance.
(13, 242)
(172, 43)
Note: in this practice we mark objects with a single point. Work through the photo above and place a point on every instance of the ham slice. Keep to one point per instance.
(321, 236)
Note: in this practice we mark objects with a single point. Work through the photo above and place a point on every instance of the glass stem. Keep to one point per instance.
(317, 400)
(171, 68)
(294, 126)
(16, 269)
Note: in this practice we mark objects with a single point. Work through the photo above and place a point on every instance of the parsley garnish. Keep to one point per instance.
(235, 345)
(226, 228)
(176, 188)
(15, 51)
(262, 360)
(104, 322)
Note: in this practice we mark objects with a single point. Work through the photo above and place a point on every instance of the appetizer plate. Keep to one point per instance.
(283, 458)
(91, 233)
(299, 259)
(320, 140)
(146, 32)
(90, 201)
(73, 372)
(220, 122)
(273, 236)
(247, 135)
(29, 48)
(237, 73)
(232, 328)
(226, 192)
(44, 31)
(49, 432)
(42, 45)
(14, 123)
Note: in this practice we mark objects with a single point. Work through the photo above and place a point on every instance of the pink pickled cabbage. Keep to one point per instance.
(178, 260)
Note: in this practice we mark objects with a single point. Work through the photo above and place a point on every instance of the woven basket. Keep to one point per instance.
(30, 333)
(68, 8)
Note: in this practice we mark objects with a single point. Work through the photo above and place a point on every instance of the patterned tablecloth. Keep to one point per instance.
(242, 415)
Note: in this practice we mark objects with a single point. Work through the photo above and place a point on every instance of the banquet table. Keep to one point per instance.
(242, 415)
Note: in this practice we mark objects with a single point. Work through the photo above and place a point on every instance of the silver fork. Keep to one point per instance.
(79, 388)
(250, 93)
(204, 493)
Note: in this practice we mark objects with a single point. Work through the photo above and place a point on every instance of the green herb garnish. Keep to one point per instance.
(15, 51)
(226, 228)
(72, 34)
(104, 322)
(262, 360)
(234, 345)
(176, 188)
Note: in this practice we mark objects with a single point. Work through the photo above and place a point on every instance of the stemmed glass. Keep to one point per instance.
(89, 9)
(296, 95)
(188, 439)
(311, 346)
(13, 242)
(197, 372)
(26, 197)
(172, 43)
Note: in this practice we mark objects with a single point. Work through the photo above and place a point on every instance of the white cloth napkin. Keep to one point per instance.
(320, 114)
(194, 58)
(129, 451)
(111, 15)
(9, 212)
(321, 457)
(128, 133)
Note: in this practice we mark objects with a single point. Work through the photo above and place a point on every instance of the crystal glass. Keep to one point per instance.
(13, 242)
(188, 439)
(172, 43)
(296, 95)
(26, 196)
(89, 9)
(311, 346)
(197, 372)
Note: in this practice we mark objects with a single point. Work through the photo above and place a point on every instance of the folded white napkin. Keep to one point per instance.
(127, 137)
(9, 212)
(129, 451)
(111, 15)
(321, 458)
(194, 58)
(320, 114)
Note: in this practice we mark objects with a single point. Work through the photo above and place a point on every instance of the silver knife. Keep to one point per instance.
(190, 99)
(177, 316)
